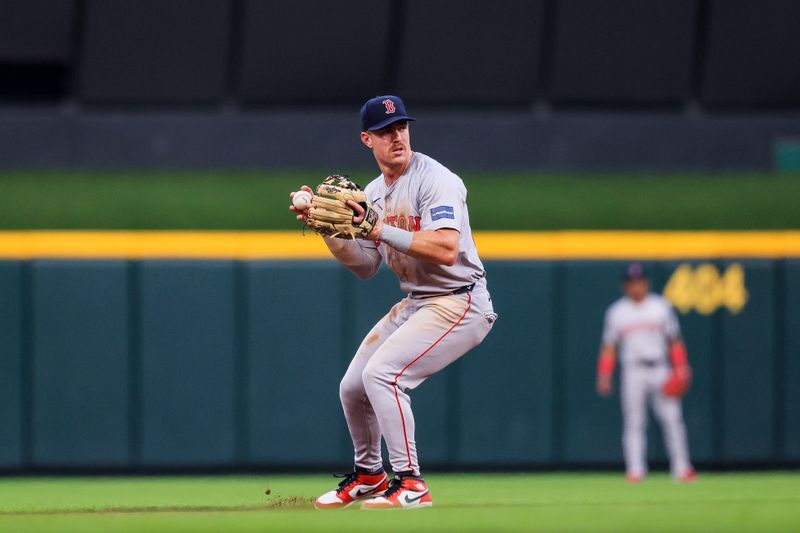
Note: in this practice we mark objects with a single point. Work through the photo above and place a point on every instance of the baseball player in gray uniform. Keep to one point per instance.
(424, 236)
(655, 371)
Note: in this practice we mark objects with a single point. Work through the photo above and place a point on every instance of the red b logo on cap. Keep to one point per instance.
(389, 106)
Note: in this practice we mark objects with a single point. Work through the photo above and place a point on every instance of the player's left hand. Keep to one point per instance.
(332, 213)
(360, 213)
(678, 382)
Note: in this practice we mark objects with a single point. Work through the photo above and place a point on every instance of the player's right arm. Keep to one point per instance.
(360, 258)
(607, 360)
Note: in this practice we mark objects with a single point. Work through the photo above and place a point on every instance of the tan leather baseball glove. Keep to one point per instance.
(330, 215)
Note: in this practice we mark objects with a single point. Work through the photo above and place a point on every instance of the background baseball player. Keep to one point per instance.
(645, 328)
(422, 233)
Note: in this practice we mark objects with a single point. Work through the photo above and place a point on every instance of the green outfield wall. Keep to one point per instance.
(200, 363)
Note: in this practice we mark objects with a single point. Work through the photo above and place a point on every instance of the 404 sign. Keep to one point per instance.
(705, 289)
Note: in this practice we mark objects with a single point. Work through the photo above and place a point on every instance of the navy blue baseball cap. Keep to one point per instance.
(381, 111)
(634, 271)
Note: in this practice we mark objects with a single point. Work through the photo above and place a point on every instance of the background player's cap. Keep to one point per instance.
(634, 271)
(381, 111)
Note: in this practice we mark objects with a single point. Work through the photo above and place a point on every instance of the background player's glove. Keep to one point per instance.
(330, 215)
(678, 382)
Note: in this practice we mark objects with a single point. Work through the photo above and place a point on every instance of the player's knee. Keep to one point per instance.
(634, 426)
(672, 419)
(372, 376)
(350, 389)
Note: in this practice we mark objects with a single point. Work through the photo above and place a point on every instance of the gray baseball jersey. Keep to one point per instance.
(641, 330)
(427, 197)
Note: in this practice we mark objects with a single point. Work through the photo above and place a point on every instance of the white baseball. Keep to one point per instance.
(301, 200)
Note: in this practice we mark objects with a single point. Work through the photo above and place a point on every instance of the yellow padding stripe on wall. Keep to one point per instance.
(491, 245)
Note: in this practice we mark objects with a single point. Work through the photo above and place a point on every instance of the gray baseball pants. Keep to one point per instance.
(416, 339)
(640, 386)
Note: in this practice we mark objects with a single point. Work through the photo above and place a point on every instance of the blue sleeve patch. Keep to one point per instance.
(443, 211)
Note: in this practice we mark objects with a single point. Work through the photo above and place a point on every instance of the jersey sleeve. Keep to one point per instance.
(442, 201)
(367, 244)
(672, 328)
(610, 329)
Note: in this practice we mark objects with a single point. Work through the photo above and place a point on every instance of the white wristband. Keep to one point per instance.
(397, 238)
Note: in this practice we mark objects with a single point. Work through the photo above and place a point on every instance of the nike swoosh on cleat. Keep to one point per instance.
(361, 492)
(408, 500)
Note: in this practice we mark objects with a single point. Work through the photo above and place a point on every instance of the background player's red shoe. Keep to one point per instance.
(634, 478)
(354, 487)
(404, 492)
(687, 477)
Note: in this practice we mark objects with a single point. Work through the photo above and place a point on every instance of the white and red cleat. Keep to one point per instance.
(690, 476)
(404, 492)
(354, 487)
(634, 479)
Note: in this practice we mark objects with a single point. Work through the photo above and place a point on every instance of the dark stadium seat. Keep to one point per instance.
(751, 54)
(36, 30)
(154, 51)
(470, 52)
(335, 56)
(36, 39)
(623, 51)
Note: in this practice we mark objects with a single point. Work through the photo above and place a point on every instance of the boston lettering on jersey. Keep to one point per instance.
(410, 223)
(638, 326)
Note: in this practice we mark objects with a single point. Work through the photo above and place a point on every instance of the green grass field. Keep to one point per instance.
(251, 201)
(462, 502)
